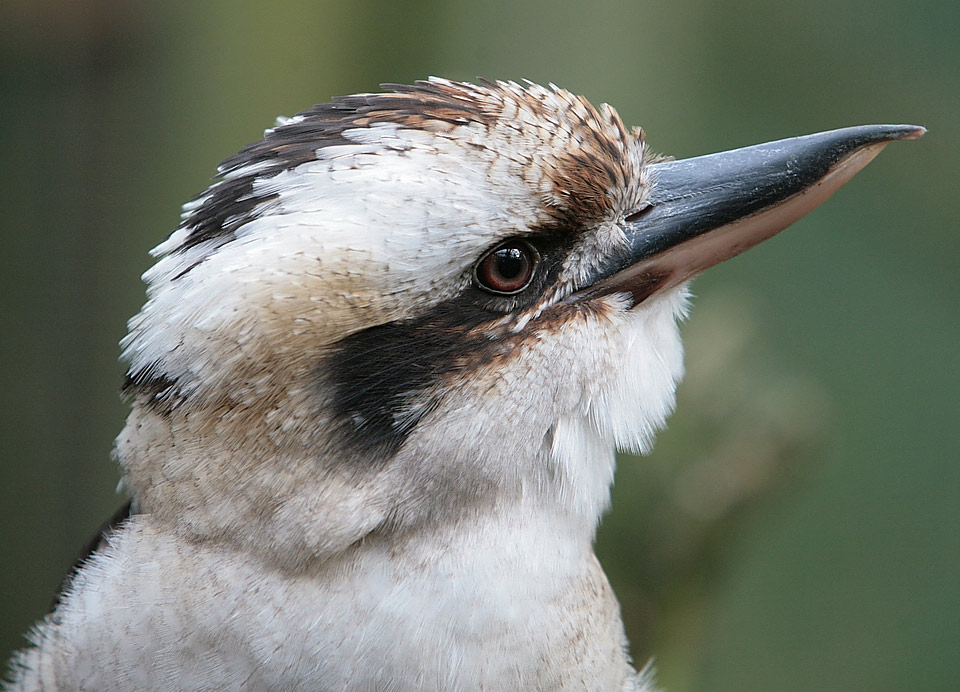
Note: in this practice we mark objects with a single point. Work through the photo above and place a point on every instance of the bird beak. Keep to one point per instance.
(708, 209)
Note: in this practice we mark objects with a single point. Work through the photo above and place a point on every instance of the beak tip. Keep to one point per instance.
(913, 131)
(844, 142)
(889, 133)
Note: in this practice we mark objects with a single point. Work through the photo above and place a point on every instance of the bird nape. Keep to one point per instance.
(377, 385)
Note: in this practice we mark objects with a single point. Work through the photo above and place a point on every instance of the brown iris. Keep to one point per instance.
(508, 268)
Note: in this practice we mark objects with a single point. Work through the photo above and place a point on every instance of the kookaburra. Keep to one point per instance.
(377, 385)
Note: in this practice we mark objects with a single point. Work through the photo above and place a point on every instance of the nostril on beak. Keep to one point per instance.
(639, 214)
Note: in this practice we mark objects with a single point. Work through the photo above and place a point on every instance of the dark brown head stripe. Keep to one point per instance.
(587, 158)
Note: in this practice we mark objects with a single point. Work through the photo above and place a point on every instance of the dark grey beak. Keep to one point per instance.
(707, 209)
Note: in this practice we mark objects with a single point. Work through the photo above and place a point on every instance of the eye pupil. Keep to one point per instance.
(510, 262)
(507, 269)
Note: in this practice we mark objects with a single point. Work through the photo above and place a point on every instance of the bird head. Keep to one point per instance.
(440, 300)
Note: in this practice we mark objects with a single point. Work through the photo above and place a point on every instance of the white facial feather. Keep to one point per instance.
(331, 258)
(381, 227)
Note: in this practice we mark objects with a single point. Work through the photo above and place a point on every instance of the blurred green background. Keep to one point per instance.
(797, 528)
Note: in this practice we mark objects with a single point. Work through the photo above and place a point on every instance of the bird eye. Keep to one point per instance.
(508, 268)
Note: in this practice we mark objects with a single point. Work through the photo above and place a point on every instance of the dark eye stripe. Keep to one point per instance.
(376, 373)
(381, 378)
